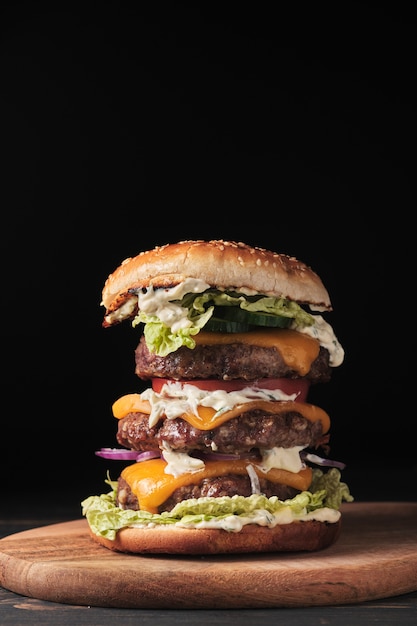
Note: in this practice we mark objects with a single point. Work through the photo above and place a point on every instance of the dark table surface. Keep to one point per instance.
(23, 514)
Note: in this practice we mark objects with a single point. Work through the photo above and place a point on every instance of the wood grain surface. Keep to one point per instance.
(375, 557)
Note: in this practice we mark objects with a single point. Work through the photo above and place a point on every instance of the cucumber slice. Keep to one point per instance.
(216, 324)
(254, 318)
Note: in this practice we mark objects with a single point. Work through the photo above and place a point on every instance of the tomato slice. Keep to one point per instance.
(287, 385)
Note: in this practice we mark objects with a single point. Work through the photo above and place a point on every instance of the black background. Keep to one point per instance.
(125, 128)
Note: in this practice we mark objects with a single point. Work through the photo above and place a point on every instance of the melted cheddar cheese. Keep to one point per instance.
(152, 486)
(207, 418)
(297, 349)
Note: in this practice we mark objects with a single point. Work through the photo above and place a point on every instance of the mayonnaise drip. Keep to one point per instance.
(235, 523)
(176, 398)
(159, 302)
(323, 332)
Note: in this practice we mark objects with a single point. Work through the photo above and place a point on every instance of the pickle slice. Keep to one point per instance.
(216, 324)
(254, 318)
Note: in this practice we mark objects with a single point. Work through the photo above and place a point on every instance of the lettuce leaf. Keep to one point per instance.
(336, 491)
(106, 518)
(161, 340)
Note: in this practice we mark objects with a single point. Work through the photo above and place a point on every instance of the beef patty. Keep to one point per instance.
(209, 487)
(249, 431)
(224, 362)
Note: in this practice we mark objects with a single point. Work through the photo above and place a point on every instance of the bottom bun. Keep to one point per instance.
(297, 536)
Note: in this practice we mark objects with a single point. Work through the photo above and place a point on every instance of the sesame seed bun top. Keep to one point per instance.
(225, 265)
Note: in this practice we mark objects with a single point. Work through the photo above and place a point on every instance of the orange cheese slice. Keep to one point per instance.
(207, 418)
(152, 486)
(297, 349)
(130, 403)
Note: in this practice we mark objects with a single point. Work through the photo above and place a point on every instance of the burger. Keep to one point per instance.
(222, 452)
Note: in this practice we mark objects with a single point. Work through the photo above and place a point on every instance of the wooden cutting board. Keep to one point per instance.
(375, 557)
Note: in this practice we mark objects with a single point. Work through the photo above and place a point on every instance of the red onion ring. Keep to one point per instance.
(122, 454)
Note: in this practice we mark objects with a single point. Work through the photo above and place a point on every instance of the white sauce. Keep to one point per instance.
(323, 332)
(122, 312)
(235, 523)
(176, 399)
(282, 458)
(158, 302)
(180, 462)
(261, 517)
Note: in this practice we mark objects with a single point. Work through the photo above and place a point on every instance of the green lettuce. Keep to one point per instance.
(161, 340)
(105, 518)
(336, 491)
